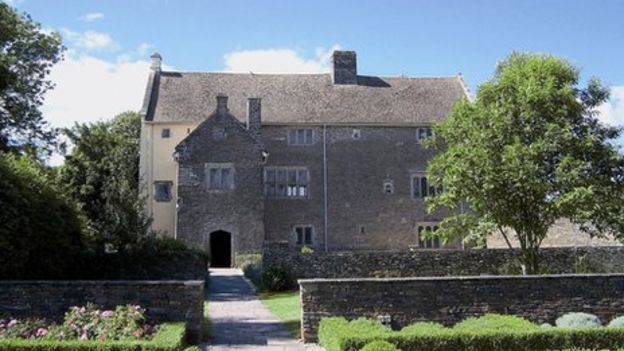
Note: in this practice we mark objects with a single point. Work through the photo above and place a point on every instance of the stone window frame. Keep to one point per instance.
(285, 187)
(165, 133)
(420, 187)
(430, 243)
(300, 136)
(388, 187)
(220, 168)
(159, 186)
(424, 133)
(300, 231)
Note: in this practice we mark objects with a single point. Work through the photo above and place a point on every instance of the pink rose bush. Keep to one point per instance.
(84, 323)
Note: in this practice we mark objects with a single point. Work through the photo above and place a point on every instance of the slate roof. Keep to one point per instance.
(302, 98)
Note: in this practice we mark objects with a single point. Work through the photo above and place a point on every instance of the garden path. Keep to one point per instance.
(239, 320)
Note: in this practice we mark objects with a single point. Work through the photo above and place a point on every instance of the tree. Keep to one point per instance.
(27, 53)
(41, 231)
(102, 175)
(526, 152)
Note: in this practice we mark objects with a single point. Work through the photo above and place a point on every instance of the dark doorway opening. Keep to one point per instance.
(220, 249)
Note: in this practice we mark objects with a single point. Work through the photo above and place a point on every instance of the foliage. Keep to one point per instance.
(336, 334)
(617, 322)
(306, 250)
(379, 345)
(578, 319)
(84, 323)
(40, 235)
(277, 278)
(102, 175)
(422, 328)
(495, 322)
(286, 306)
(525, 153)
(169, 337)
(251, 265)
(27, 52)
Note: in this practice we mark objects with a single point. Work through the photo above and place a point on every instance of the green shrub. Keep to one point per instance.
(423, 328)
(493, 321)
(277, 278)
(192, 348)
(169, 337)
(41, 230)
(306, 250)
(336, 334)
(251, 265)
(617, 322)
(578, 320)
(379, 345)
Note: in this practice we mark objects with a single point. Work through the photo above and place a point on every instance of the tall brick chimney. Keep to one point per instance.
(254, 116)
(344, 67)
(222, 104)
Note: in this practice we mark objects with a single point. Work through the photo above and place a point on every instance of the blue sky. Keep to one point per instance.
(109, 41)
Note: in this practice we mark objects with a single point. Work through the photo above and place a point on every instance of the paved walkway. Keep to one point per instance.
(239, 320)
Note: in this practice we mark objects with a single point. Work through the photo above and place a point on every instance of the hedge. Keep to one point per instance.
(169, 337)
(336, 334)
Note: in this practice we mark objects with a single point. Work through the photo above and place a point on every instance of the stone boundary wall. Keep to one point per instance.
(450, 299)
(423, 263)
(164, 301)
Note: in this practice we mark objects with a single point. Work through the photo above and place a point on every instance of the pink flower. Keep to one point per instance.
(137, 333)
(12, 323)
(107, 314)
(41, 332)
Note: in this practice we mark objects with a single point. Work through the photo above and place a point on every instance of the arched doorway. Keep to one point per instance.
(220, 249)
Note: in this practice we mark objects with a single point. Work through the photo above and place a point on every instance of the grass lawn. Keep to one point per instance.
(286, 306)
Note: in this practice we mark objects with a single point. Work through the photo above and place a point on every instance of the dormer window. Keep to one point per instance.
(301, 136)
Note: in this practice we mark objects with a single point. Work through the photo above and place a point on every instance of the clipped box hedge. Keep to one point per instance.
(337, 334)
(169, 337)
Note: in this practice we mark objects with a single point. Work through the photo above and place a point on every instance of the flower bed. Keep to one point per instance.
(488, 333)
(88, 328)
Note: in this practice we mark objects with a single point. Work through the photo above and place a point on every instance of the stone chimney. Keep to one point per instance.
(222, 104)
(344, 67)
(254, 116)
(156, 61)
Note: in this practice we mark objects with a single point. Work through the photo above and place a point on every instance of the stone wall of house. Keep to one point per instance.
(419, 263)
(450, 299)
(164, 301)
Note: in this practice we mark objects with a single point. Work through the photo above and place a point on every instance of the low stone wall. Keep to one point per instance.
(164, 301)
(450, 299)
(423, 263)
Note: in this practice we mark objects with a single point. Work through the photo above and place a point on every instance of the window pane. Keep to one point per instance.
(270, 176)
(299, 231)
(303, 176)
(416, 187)
(270, 189)
(421, 133)
(308, 235)
(436, 242)
(281, 189)
(303, 190)
(214, 178)
(292, 177)
(292, 190)
(281, 176)
(292, 136)
(423, 187)
(226, 178)
(308, 136)
(300, 136)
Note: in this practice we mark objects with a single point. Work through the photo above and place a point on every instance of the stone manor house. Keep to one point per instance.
(331, 161)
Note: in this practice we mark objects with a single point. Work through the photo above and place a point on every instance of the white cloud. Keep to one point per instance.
(278, 61)
(90, 40)
(92, 16)
(612, 111)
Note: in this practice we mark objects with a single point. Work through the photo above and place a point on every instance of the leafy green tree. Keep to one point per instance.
(102, 175)
(526, 152)
(27, 53)
(41, 230)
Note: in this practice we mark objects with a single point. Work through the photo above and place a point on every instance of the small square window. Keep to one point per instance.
(388, 187)
(162, 191)
(220, 177)
(303, 234)
(424, 133)
(166, 133)
(357, 134)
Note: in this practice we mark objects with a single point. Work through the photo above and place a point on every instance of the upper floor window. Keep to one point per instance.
(423, 133)
(421, 187)
(303, 234)
(220, 177)
(286, 182)
(165, 133)
(300, 136)
(162, 190)
(428, 241)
